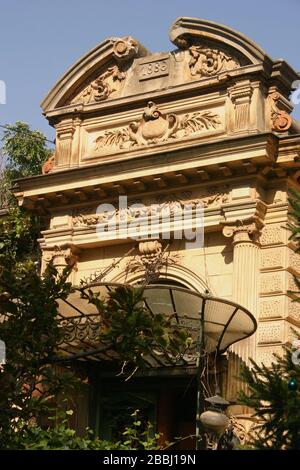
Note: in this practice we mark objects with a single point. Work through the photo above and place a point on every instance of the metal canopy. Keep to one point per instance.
(224, 322)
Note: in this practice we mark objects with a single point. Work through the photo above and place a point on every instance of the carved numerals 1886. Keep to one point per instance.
(153, 69)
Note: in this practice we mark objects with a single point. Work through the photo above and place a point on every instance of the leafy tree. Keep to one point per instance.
(31, 390)
(26, 150)
(23, 153)
(274, 392)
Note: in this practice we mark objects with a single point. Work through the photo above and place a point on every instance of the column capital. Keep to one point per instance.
(243, 230)
(61, 255)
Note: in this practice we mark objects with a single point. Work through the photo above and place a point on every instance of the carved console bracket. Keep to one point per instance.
(48, 165)
(280, 120)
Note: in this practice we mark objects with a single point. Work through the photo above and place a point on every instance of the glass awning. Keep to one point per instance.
(223, 322)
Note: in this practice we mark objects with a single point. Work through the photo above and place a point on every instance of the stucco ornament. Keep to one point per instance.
(101, 88)
(155, 127)
(125, 48)
(48, 165)
(280, 120)
(108, 83)
(206, 62)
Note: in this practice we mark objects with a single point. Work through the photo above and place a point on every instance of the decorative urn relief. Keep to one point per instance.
(155, 127)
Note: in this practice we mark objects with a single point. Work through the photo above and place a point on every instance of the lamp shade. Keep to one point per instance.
(214, 421)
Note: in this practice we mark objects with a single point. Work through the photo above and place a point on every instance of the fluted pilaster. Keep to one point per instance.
(245, 291)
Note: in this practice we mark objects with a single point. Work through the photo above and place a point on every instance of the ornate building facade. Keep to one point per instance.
(208, 123)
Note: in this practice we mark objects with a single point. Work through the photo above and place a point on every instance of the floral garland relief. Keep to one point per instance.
(154, 127)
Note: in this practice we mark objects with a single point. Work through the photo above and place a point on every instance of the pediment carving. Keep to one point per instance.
(155, 127)
(206, 61)
(108, 83)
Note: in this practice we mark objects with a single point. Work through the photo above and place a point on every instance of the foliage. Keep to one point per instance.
(29, 388)
(138, 438)
(276, 406)
(276, 403)
(18, 236)
(60, 436)
(294, 214)
(133, 331)
(26, 150)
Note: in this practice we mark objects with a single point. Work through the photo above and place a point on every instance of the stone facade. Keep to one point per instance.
(208, 122)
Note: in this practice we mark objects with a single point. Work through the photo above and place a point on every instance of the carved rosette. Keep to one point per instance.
(125, 48)
(155, 127)
(280, 120)
(206, 62)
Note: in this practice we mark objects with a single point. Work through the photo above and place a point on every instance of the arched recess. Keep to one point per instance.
(174, 273)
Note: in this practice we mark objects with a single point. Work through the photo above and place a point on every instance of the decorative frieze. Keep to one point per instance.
(155, 127)
(104, 86)
(158, 206)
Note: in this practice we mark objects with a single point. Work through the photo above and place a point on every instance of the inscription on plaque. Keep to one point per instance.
(154, 69)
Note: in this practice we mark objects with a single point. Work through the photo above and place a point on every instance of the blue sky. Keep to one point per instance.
(40, 39)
